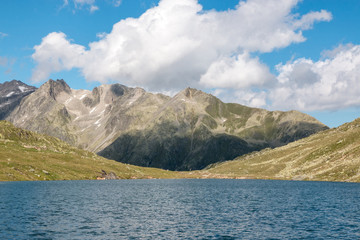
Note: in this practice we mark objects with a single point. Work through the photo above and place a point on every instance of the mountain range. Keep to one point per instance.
(331, 155)
(185, 132)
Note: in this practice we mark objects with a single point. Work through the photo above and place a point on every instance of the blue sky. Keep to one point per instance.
(273, 54)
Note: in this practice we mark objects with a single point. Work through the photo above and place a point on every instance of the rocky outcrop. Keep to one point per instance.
(107, 176)
(188, 131)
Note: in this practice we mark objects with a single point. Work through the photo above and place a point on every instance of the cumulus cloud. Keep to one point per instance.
(55, 54)
(236, 72)
(302, 84)
(328, 84)
(252, 98)
(177, 44)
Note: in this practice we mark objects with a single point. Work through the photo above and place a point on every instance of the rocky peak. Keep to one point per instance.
(14, 87)
(11, 94)
(54, 88)
(118, 89)
(192, 93)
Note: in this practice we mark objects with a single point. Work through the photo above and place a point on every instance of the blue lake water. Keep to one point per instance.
(179, 209)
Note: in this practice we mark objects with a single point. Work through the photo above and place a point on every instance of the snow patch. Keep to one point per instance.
(97, 123)
(82, 97)
(22, 88)
(10, 94)
(92, 110)
(101, 114)
(69, 100)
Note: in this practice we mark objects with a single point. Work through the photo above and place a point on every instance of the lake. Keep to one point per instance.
(179, 209)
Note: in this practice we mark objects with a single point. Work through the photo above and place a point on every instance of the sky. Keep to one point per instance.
(275, 54)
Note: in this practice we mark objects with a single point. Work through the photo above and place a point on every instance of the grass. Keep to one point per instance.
(331, 155)
(25, 155)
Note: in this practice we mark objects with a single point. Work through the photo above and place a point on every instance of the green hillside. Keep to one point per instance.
(331, 155)
(25, 155)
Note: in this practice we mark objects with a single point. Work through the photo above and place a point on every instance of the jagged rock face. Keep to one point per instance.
(88, 119)
(189, 131)
(195, 129)
(11, 94)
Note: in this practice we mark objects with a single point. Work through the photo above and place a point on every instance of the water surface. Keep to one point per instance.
(179, 209)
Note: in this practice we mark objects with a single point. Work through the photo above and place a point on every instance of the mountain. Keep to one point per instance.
(331, 155)
(26, 155)
(11, 94)
(188, 131)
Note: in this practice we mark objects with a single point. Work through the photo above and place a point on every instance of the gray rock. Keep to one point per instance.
(188, 131)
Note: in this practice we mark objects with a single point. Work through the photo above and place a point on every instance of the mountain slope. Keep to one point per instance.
(11, 94)
(188, 131)
(331, 155)
(26, 155)
(195, 129)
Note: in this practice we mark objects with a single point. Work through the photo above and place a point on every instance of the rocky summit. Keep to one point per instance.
(11, 94)
(188, 131)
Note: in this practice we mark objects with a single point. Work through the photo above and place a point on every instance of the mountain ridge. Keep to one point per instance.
(187, 131)
(11, 94)
(331, 155)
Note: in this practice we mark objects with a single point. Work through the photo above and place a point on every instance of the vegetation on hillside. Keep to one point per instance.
(331, 155)
(26, 155)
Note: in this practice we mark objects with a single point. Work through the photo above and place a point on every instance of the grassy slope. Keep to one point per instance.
(331, 155)
(25, 155)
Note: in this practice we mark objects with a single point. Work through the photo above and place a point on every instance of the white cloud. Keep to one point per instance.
(236, 72)
(255, 98)
(302, 84)
(327, 84)
(307, 20)
(173, 44)
(82, 4)
(93, 8)
(89, 5)
(55, 54)
(116, 3)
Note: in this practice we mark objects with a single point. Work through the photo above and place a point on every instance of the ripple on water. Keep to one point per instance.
(179, 209)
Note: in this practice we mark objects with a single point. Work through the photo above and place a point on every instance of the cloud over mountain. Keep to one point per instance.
(327, 84)
(178, 44)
